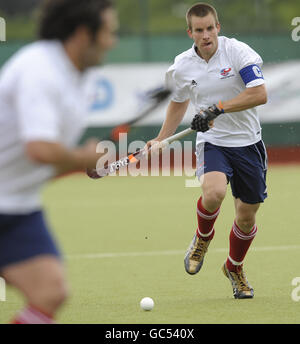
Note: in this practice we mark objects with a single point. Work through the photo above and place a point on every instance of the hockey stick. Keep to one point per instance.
(135, 157)
(155, 98)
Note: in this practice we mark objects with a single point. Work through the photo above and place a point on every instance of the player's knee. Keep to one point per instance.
(59, 292)
(246, 217)
(246, 223)
(51, 295)
(213, 198)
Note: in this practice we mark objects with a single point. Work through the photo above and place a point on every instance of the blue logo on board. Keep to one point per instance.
(103, 97)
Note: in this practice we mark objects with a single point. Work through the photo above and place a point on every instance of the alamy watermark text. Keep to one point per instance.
(2, 289)
(2, 30)
(296, 30)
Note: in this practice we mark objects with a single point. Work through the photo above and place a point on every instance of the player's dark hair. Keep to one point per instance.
(200, 9)
(60, 18)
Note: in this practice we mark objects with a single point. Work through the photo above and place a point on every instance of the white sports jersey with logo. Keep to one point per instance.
(191, 77)
(40, 99)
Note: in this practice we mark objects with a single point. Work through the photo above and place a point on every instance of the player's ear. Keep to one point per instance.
(189, 32)
(83, 33)
(218, 27)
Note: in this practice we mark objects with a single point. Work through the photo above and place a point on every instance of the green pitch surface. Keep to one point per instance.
(125, 238)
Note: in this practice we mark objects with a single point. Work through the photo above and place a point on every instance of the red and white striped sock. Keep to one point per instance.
(206, 221)
(239, 243)
(31, 315)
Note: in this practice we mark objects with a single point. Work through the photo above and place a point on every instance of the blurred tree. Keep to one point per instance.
(13, 7)
(129, 13)
(168, 16)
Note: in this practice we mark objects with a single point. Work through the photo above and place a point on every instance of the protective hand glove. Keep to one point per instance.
(201, 120)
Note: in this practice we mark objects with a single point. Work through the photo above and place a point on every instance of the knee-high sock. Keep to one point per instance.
(31, 315)
(239, 243)
(206, 221)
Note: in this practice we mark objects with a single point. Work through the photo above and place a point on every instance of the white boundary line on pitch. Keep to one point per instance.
(172, 253)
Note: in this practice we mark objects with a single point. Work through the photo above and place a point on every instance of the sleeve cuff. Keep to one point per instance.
(255, 83)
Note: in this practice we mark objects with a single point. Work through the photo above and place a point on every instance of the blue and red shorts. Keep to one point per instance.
(23, 237)
(245, 168)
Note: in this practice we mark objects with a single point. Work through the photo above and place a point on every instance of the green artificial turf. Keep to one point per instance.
(124, 238)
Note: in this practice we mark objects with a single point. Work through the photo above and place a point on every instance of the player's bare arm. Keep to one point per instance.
(175, 114)
(247, 99)
(63, 159)
(251, 97)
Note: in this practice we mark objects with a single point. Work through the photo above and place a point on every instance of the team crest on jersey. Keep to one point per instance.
(226, 73)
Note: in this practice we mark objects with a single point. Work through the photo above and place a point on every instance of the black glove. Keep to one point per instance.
(201, 120)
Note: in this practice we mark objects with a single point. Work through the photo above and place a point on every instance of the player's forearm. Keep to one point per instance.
(175, 114)
(247, 99)
(71, 160)
(63, 159)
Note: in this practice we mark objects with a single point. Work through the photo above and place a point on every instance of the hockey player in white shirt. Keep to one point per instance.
(222, 78)
(41, 121)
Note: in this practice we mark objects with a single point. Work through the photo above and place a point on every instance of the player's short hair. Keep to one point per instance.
(200, 9)
(60, 18)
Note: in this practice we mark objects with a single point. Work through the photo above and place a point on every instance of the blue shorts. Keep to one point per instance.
(245, 168)
(23, 237)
